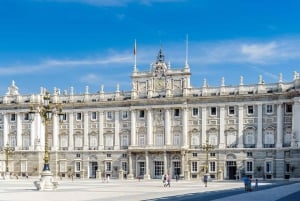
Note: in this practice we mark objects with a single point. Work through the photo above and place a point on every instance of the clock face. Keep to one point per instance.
(159, 84)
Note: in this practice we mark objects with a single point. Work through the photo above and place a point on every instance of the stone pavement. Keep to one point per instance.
(131, 190)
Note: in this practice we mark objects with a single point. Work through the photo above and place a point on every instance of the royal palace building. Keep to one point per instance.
(162, 126)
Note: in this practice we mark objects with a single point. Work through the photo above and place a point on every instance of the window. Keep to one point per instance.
(78, 116)
(231, 110)
(142, 139)
(269, 109)
(12, 117)
(124, 114)
(142, 114)
(212, 166)
(26, 116)
(108, 155)
(94, 115)
(93, 141)
(108, 140)
(124, 155)
(231, 139)
(195, 154)
(195, 112)
(268, 167)
(77, 166)
(250, 109)
(213, 139)
(109, 115)
(159, 139)
(288, 108)
(194, 166)
(124, 140)
(212, 154)
(176, 112)
(124, 166)
(64, 118)
(195, 140)
(249, 154)
(176, 140)
(108, 166)
(213, 111)
(249, 137)
(249, 166)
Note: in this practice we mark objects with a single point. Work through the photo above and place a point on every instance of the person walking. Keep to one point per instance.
(256, 184)
(163, 178)
(168, 180)
(245, 180)
(205, 178)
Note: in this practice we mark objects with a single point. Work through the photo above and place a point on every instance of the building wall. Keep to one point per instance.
(161, 126)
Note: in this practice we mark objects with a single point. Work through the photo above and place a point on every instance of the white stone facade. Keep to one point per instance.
(160, 127)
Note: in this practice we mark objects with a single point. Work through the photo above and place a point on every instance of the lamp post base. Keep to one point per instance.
(46, 182)
(6, 176)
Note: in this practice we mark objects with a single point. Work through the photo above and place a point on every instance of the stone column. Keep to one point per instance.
(55, 132)
(147, 173)
(165, 163)
(149, 127)
(203, 124)
(296, 123)
(222, 125)
(117, 131)
(71, 131)
(182, 164)
(19, 130)
(279, 125)
(240, 126)
(259, 126)
(5, 128)
(86, 130)
(101, 125)
(133, 128)
(130, 175)
(185, 127)
(167, 127)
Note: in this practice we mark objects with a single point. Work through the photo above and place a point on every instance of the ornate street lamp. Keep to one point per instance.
(207, 147)
(7, 150)
(46, 111)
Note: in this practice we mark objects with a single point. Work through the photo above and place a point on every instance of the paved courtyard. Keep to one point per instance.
(127, 190)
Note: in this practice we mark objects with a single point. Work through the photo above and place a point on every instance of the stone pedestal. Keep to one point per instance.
(147, 176)
(6, 176)
(46, 182)
(121, 176)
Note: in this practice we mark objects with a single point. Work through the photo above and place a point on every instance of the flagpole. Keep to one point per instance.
(134, 52)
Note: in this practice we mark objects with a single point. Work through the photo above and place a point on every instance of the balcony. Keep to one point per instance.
(249, 146)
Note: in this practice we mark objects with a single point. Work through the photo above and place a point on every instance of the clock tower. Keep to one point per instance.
(160, 80)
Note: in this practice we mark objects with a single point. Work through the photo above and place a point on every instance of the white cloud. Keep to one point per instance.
(257, 52)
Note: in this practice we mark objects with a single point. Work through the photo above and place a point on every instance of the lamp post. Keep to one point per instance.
(207, 147)
(46, 111)
(7, 150)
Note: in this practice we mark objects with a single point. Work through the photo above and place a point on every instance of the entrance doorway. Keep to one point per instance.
(141, 169)
(176, 169)
(93, 167)
(231, 170)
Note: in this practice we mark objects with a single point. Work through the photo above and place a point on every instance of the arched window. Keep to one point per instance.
(231, 139)
(176, 139)
(249, 137)
(93, 140)
(195, 140)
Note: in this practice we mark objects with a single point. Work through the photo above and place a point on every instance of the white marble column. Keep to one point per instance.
(222, 125)
(85, 130)
(240, 126)
(167, 127)
(296, 123)
(117, 130)
(185, 126)
(19, 131)
(133, 128)
(32, 134)
(55, 132)
(165, 163)
(147, 173)
(149, 127)
(130, 175)
(101, 125)
(279, 125)
(259, 126)
(5, 128)
(71, 130)
(182, 164)
(203, 124)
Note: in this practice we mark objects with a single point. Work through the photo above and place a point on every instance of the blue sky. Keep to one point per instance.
(64, 43)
